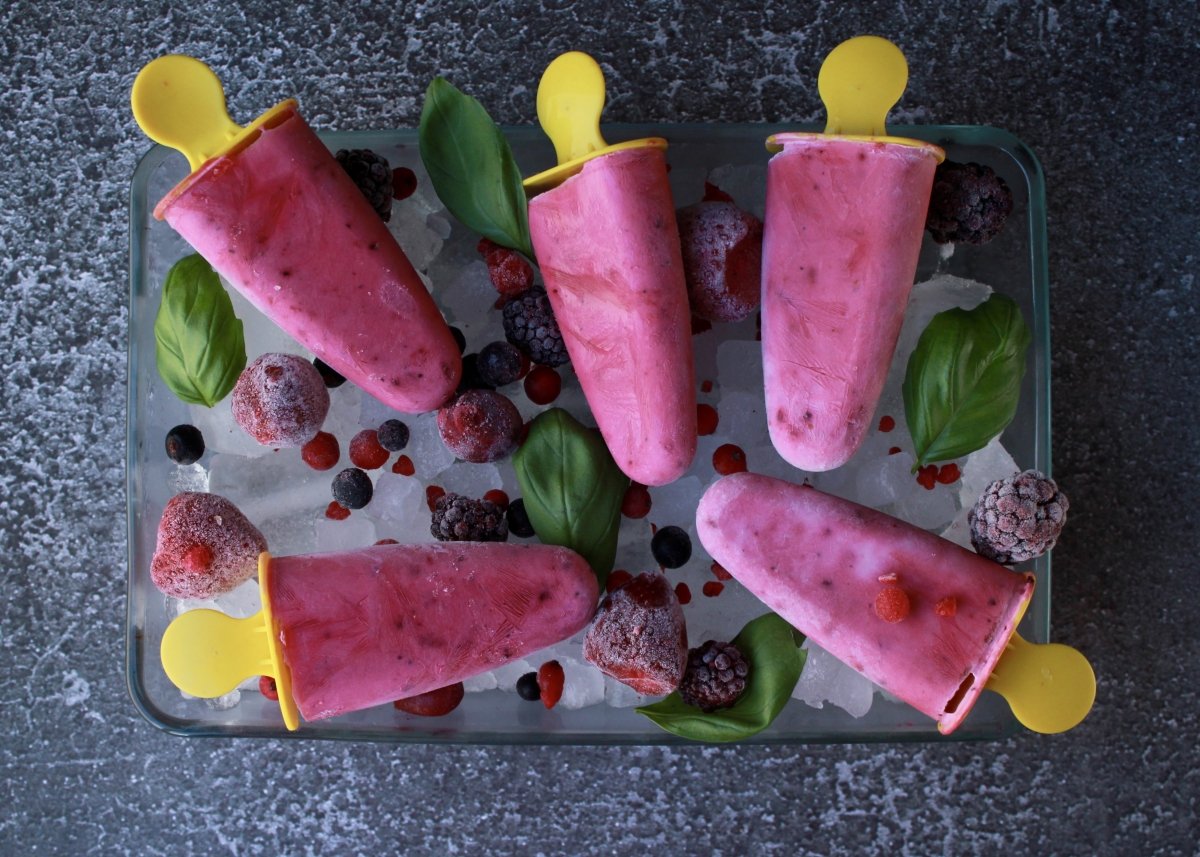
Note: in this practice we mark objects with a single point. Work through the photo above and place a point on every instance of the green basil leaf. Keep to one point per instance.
(199, 344)
(572, 488)
(963, 380)
(772, 648)
(472, 167)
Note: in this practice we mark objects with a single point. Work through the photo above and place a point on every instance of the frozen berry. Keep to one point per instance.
(404, 183)
(433, 493)
(616, 579)
(387, 542)
(671, 546)
(530, 325)
(1019, 518)
(527, 688)
(393, 435)
(716, 676)
(332, 377)
(518, 519)
(712, 588)
(373, 176)
(322, 452)
(707, 420)
(639, 636)
(471, 379)
(185, 444)
(352, 488)
(460, 338)
(683, 593)
(499, 363)
(266, 686)
(550, 678)
(892, 604)
(335, 511)
(729, 458)
(206, 547)
(280, 400)
(460, 519)
(636, 502)
(497, 497)
(366, 451)
(508, 270)
(722, 259)
(719, 571)
(432, 703)
(480, 426)
(969, 203)
(948, 474)
(887, 423)
(404, 466)
(542, 385)
(927, 476)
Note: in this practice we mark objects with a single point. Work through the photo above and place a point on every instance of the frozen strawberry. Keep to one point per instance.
(206, 547)
(480, 426)
(722, 258)
(433, 703)
(639, 636)
(280, 400)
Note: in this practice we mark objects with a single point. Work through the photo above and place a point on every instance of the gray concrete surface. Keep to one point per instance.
(1103, 92)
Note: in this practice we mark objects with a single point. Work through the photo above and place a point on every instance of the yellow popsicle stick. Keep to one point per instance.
(179, 102)
(1050, 687)
(207, 654)
(570, 99)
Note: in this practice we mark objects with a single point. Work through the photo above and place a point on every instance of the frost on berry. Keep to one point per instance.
(639, 637)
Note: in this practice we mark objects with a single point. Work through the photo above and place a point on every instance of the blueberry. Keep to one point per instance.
(499, 363)
(185, 444)
(471, 379)
(527, 687)
(393, 435)
(671, 547)
(518, 520)
(332, 377)
(352, 488)
(460, 338)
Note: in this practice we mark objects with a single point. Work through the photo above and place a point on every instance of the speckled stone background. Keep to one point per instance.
(1104, 92)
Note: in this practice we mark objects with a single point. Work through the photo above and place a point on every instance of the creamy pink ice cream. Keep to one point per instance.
(280, 220)
(842, 233)
(361, 628)
(821, 562)
(608, 246)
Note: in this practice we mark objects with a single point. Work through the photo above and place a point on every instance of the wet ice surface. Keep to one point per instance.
(287, 500)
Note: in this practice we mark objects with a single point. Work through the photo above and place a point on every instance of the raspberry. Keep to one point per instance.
(366, 452)
(518, 519)
(927, 476)
(404, 466)
(968, 203)
(530, 325)
(322, 452)
(638, 636)
(671, 546)
(948, 474)
(432, 703)
(205, 547)
(404, 183)
(706, 420)
(946, 607)
(729, 458)
(499, 363)
(1018, 518)
(332, 377)
(480, 426)
(393, 435)
(266, 686)
(497, 497)
(542, 385)
(280, 400)
(185, 444)
(722, 259)
(509, 272)
(716, 676)
(683, 593)
(550, 678)
(712, 588)
(892, 604)
(527, 687)
(373, 176)
(335, 511)
(460, 519)
(433, 493)
(636, 502)
(886, 423)
(352, 488)
(617, 579)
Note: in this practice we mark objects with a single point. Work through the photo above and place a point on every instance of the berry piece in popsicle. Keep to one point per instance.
(639, 636)
(280, 400)
(206, 547)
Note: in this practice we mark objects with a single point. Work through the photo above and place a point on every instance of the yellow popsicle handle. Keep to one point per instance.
(1050, 687)
(860, 81)
(179, 102)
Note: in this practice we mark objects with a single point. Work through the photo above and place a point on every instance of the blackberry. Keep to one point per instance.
(715, 676)
(528, 689)
(530, 325)
(373, 176)
(185, 444)
(352, 488)
(671, 546)
(518, 519)
(969, 204)
(1018, 518)
(393, 435)
(460, 519)
(332, 377)
(499, 363)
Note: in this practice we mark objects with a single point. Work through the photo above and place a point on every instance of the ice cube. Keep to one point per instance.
(221, 433)
(959, 531)
(826, 679)
(982, 468)
(397, 498)
(882, 482)
(742, 419)
(373, 413)
(479, 683)
(470, 480)
(583, 684)
(468, 298)
(273, 486)
(290, 534)
(929, 510)
(355, 532)
(507, 675)
(224, 703)
(243, 601)
(928, 298)
(420, 242)
(188, 477)
(425, 447)
(621, 695)
(345, 406)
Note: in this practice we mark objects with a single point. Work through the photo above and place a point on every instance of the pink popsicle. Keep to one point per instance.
(279, 218)
(820, 562)
(608, 247)
(370, 626)
(842, 233)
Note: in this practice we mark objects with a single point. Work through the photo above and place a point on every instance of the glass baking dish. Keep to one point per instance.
(732, 156)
